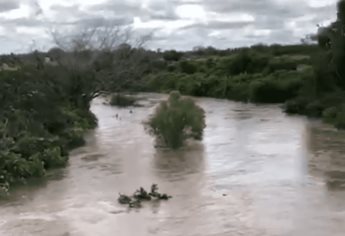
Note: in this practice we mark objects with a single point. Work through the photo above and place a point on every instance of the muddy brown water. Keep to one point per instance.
(257, 172)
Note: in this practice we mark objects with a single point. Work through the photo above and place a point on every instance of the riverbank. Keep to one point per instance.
(258, 75)
(41, 120)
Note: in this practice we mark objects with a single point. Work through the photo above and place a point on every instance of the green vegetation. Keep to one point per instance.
(45, 108)
(122, 100)
(41, 118)
(45, 98)
(141, 195)
(260, 74)
(176, 120)
(276, 87)
(322, 94)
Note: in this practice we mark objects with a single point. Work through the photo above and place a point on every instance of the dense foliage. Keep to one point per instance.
(261, 74)
(41, 118)
(176, 120)
(323, 93)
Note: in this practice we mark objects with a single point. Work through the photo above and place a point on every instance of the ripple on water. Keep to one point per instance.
(256, 172)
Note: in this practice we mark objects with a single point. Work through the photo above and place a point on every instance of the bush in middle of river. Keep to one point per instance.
(176, 120)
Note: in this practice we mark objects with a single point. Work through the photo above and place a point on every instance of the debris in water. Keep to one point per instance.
(141, 195)
(123, 199)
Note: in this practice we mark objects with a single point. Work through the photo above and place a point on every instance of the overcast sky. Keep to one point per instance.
(180, 24)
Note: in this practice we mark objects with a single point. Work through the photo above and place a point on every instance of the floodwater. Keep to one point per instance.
(257, 172)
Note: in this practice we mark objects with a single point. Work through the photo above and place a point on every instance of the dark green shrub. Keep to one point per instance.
(80, 118)
(329, 115)
(29, 145)
(172, 55)
(296, 106)
(187, 67)
(43, 111)
(210, 62)
(274, 91)
(37, 168)
(286, 62)
(176, 120)
(244, 62)
(335, 98)
(53, 157)
(122, 100)
(172, 68)
(72, 138)
(189, 84)
(314, 109)
(340, 119)
(335, 115)
(16, 166)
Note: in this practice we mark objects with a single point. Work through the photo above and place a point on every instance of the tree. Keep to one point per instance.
(332, 40)
(172, 55)
(102, 58)
(188, 67)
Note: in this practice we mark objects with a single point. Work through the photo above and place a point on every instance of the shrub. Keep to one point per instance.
(335, 115)
(329, 115)
(314, 109)
(176, 120)
(43, 112)
(271, 91)
(277, 87)
(172, 55)
(80, 118)
(340, 119)
(73, 138)
(187, 67)
(188, 84)
(122, 100)
(296, 106)
(244, 62)
(53, 157)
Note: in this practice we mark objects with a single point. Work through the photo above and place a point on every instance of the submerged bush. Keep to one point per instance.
(141, 195)
(122, 100)
(176, 120)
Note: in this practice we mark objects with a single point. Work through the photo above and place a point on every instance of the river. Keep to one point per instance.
(257, 171)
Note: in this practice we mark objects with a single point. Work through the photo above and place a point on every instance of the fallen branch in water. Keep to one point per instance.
(141, 195)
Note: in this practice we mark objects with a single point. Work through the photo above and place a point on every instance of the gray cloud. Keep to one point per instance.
(18, 22)
(7, 5)
(154, 10)
(219, 25)
(74, 15)
(274, 21)
(61, 9)
(264, 21)
(97, 21)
